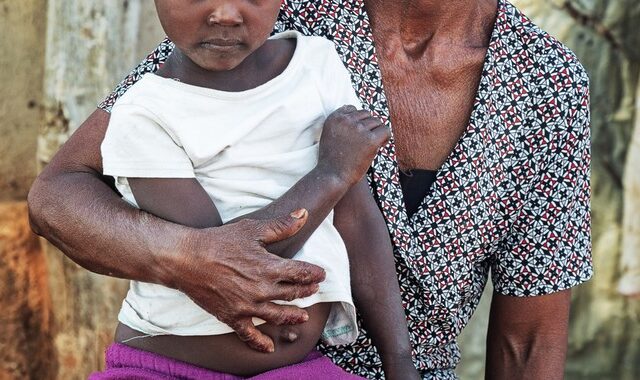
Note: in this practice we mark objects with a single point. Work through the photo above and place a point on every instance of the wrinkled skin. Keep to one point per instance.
(430, 55)
(200, 262)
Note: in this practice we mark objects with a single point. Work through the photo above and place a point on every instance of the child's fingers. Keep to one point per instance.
(347, 108)
(370, 123)
(381, 133)
(281, 314)
(249, 334)
(274, 230)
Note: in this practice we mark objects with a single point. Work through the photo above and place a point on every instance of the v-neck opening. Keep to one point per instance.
(416, 185)
(467, 131)
(384, 175)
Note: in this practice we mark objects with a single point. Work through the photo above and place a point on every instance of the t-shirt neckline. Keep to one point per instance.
(279, 80)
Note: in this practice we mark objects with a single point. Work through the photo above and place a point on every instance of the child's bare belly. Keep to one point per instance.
(227, 353)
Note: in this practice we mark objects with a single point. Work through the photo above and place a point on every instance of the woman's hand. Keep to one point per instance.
(350, 140)
(241, 279)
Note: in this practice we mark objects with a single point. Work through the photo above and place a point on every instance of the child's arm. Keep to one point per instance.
(350, 139)
(374, 279)
(178, 200)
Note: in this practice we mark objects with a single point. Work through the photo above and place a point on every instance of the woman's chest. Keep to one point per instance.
(429, 105)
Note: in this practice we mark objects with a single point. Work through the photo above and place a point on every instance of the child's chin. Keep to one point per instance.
(222, 64)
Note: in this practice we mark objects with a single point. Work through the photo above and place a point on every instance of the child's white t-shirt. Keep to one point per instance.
(246, 149)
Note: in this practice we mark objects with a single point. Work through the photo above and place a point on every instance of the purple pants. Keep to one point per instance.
(124, 362)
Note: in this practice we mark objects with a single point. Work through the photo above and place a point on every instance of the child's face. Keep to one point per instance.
(218, 35)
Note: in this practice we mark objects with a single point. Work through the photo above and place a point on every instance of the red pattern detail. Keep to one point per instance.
(512, 198)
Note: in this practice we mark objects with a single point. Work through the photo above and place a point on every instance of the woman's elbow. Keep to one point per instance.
(35, 205)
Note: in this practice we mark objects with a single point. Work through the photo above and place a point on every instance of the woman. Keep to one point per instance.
(473, 90)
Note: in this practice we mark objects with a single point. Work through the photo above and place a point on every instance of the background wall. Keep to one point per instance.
(60, 57)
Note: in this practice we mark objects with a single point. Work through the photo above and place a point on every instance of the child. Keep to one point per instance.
(229, 124)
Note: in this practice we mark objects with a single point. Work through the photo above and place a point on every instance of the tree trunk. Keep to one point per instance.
(91, 44)
(630, 282)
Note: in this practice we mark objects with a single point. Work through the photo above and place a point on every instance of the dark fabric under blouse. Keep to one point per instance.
(512, 199)
(415, 184)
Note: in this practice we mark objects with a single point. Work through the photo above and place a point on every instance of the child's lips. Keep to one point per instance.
(220, 44)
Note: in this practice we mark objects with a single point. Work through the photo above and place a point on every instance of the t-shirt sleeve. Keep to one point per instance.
(549, 246)
(137, 145)
(337, 84)
(149, 65)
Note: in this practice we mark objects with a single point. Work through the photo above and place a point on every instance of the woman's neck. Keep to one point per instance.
(417, 23)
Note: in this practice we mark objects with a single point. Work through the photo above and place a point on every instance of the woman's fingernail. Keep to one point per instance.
(298, 214)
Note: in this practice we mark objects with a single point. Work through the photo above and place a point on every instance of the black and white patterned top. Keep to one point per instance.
(512, 198)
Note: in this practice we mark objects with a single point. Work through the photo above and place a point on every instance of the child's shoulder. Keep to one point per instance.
(318, 55)
(140, 93)
(152, 95)
(319, 47)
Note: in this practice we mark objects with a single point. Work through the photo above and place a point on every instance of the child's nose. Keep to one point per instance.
(225, 13)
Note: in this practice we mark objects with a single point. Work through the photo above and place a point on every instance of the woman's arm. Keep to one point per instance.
(528, 336)
(184, 201)
(351, 134)
(374, 280)
(72, 205)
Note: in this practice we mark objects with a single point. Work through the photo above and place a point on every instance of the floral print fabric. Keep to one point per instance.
(512, 199)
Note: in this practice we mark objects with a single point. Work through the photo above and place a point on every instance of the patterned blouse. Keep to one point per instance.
(512, 199)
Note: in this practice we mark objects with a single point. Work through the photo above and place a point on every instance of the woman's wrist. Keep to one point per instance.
(174, 246)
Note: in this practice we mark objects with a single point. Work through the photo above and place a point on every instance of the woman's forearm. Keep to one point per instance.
(528, 336)
(74, 209)
(84, 218)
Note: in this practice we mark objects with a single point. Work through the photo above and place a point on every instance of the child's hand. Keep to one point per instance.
(349, 142)
(400, 369)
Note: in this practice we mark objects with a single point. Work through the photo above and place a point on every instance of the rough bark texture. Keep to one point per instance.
(22, 66)
(26, 348)
(97, 41)
(630, 282)
(604, 333)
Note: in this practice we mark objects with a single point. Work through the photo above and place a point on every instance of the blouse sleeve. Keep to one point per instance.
(149, 65)
(305, 16)
(549, 247)
(137, 145)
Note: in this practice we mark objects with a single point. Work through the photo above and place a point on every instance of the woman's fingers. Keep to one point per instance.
(248, 333)
(289, 292)
(281, 314)
(301, 274)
